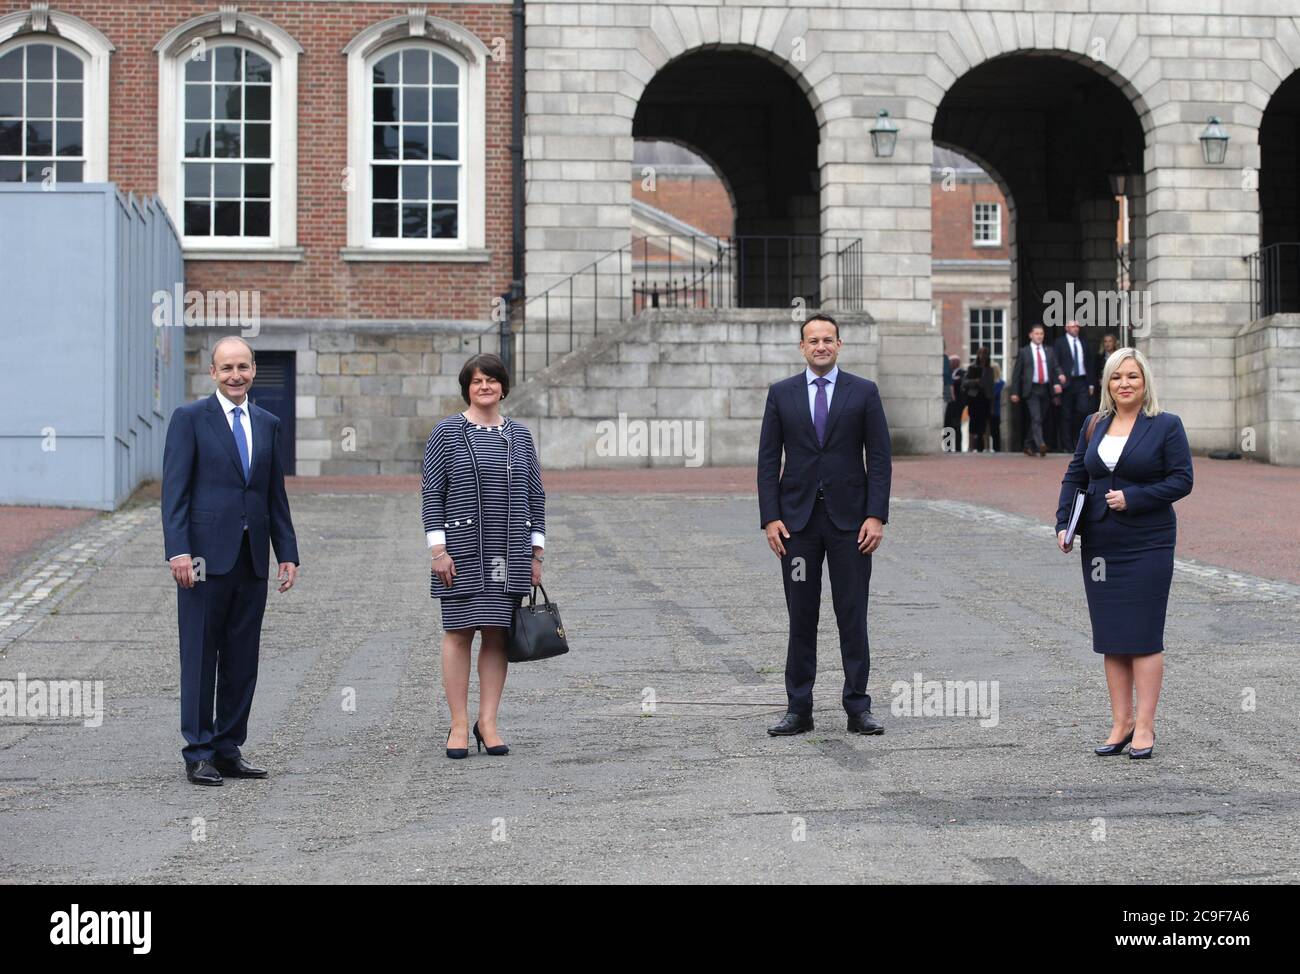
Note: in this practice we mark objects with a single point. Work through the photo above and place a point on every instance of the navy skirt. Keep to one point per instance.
(1128, 590)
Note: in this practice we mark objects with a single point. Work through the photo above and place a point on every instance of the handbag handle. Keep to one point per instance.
(532, 596)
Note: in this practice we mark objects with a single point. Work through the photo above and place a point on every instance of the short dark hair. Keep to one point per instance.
(1038, 324)
(491, 366)
(819, 316)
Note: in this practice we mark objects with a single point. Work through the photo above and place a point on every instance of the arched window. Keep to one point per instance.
(416, 171)
(53, 99)
(416, 88)
(227, 136)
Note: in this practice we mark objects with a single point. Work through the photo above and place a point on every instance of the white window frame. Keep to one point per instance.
(997, 358)
(41, 25)
(281, 51)
(471, 56)
(995, 224)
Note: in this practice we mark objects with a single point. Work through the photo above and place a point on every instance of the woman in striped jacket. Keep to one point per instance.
(484, 514)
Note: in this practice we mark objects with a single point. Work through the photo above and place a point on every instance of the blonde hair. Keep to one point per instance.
(1150, 404)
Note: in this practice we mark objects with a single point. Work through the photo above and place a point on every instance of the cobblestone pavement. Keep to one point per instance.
(672, 599)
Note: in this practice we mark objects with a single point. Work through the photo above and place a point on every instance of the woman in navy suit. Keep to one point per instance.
(1133, 462)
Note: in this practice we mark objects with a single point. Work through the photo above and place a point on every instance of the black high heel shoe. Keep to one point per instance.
(495, 750)
(457, 752)
(1109, 750)
(1142, 753)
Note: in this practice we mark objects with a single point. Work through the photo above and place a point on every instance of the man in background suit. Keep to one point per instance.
(1076, 398)
(1035, 378)
(223, 505)
(824, 505)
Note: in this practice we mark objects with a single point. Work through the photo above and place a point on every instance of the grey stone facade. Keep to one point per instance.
(1137, 79)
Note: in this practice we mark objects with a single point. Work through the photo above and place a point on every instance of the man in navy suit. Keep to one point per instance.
(1034, 374)
(1075, 362)
(824, 504)
(223, 505)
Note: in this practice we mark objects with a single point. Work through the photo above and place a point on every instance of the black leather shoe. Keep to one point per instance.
(1142, 753)
(456, 752)
(1107, 750)
(238, 768)
(864, 723)
(792, 724)
(202, 773)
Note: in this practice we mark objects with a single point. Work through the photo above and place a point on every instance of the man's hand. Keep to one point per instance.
(1092, 390)
(1057, 389)
(870, 535)
(1115, 500)
(1061, 378)
(287, 575)
(775, 532)
(1014, 397)
(183, 570)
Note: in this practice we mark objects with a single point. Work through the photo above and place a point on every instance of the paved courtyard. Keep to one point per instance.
(641, 756)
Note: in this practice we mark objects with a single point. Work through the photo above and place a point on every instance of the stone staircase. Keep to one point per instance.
(673, 387)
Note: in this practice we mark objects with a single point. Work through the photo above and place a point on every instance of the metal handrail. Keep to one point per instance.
(751, 270)
(1275, 279)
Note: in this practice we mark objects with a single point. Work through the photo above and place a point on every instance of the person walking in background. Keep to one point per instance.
(1076, 396)
(1133, 462)
(484, 514)
(1035, 379)
(995, 408)
(955, 404)
(1109, 344)
(821, 505)
(977, 387)
(224, 507)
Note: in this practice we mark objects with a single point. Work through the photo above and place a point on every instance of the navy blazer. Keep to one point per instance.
(205, 502)
(855, 426)
(1154, 470)
(451, 502)
(1062, 349)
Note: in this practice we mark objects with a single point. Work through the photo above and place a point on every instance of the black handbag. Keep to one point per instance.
(536, 631)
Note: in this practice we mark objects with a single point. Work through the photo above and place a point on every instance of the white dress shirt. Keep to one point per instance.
(228, 408)
(1076, 353)
(810, 375)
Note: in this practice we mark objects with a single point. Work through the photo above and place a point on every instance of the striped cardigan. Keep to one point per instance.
(452, 503)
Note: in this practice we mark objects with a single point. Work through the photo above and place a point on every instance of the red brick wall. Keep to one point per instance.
(952, 221)
(322, 284)
(701, 201)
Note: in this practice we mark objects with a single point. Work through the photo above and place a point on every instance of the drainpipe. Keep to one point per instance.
(516, 182)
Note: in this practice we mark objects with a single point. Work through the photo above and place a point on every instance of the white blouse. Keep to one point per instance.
(1110, 448)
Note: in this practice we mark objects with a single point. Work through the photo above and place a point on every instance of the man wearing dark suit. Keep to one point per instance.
(1076, 397)
(824, 505)
(1035, 378)
(223, 505)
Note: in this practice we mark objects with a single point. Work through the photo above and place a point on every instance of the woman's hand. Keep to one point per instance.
(1115, 500)
(1060, 542)
(537, 570)
(443, 566)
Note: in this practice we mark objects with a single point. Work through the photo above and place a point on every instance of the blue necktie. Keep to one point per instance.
(819, 409)
(241, 443)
